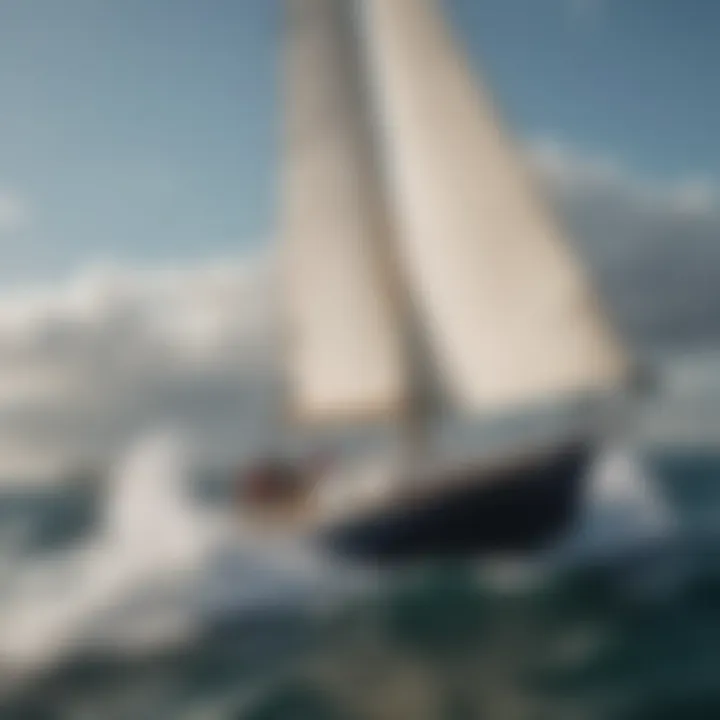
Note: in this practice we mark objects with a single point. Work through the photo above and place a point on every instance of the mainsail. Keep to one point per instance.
(345, 350)
(508, 311)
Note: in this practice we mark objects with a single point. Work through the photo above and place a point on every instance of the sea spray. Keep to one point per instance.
(623, 518)
(149, 539)
(623, 509)
(158, 567)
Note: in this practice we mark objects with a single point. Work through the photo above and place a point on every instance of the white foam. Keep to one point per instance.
(156, 569)
(623, 508)
(151, 537)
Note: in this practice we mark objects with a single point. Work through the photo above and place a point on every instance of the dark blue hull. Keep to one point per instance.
(512, 509)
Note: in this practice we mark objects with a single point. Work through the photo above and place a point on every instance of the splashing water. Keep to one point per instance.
(150, 538)
(623, 510)
(158, 567)
(623, 514)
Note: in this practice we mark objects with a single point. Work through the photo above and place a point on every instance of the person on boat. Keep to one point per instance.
(268, 481)
(274, 482)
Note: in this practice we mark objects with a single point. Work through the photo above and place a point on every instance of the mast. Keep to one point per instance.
(415, 416)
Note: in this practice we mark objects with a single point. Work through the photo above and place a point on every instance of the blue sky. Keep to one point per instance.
(144, 131)
(633, 79)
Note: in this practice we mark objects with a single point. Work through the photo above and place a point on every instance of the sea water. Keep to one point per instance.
(144, 601)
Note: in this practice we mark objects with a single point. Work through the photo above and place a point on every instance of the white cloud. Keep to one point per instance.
(84, 366)
(88, 364)
(654, 246)
(14, 212)
(697, 197)
(569, 171)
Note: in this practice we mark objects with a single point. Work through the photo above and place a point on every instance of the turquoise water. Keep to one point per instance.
(638, 637)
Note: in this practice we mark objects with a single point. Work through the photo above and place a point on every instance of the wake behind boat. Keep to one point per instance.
(422, 275)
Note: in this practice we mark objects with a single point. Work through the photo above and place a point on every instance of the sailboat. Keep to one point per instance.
(420, 268)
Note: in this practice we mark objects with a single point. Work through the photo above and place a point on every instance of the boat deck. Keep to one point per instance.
(363, 490)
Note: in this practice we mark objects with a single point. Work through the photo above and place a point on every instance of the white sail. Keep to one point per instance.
(345, 352)
(508, 312)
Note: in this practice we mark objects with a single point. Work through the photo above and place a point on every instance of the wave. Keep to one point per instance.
(158, 567)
